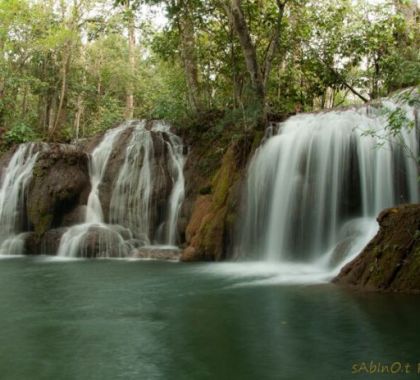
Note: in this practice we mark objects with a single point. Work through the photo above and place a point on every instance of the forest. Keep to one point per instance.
(70, 69)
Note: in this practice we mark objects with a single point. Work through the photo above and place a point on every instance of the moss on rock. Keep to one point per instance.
(391, 261)
(211, 225)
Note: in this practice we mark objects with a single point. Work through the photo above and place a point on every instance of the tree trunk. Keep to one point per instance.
(63, 91)
(259, 78)
(80, 107)
(188, 49)
(236, 15)
(129, 109)
(274, 43)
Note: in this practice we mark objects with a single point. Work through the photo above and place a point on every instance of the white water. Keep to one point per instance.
(13, 187)
(176, 171)
(315, 188)
(131, 201)
(74, 242)
(131, 205)
(97, 167)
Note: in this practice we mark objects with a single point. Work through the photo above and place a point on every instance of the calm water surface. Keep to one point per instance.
(101, 320)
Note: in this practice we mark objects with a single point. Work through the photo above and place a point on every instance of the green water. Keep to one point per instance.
(148, 320)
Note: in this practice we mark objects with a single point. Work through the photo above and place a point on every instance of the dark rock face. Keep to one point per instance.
(391, 261)
(60, 183)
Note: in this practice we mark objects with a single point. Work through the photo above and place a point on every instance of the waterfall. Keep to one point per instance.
(93, 234)
(14, 182)
(131, 201)
(177, 162)
(97, 167)
(314, 189)
(135, 206)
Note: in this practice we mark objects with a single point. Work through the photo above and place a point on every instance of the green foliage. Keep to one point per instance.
(20, 133)
(398, 123)
(75, 55)
(109, 113)
(397, 120)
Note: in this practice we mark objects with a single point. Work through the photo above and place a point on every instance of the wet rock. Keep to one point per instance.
(391, 261)
(60, 183)
(157, 254)
(47, 244)
(103, 241)
(340, 252)
(50, 242)
(76, 216)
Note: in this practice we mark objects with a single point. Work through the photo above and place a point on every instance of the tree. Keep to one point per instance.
(259, 73)
(129, 15)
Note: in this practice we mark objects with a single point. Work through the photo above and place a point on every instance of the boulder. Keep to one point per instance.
(60, 183)
(103, 241)
(391, 261)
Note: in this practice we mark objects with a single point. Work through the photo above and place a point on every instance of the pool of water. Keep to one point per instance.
(115, 319)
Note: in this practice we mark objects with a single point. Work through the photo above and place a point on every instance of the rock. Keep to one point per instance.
(391, 261)
(32, 244)
(50, 242)
(47, 244)
(103, 241)
(157, 254)
(340, 252)
(60, 183)
(189, 254)
(210, 232)
(76, 216)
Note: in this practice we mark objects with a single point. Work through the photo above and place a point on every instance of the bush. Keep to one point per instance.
(20, 133)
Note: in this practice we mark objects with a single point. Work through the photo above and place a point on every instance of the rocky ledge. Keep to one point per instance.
(391, 261)
(154, 253)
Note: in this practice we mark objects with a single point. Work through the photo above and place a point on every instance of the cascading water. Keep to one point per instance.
(177, 162)
(131, 201)
(75, 240)
(14, 183)
(132, 209)
(314, 189)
